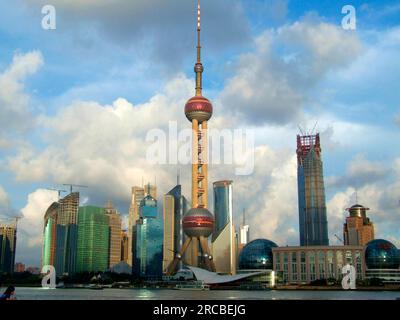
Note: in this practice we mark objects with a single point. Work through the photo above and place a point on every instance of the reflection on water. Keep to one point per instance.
(161, 294)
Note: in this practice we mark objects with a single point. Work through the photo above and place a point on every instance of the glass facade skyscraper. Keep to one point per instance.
(149, 248)
(8, 241)
(60, 234)
(313, 222)
(93, 240)
(223, 242)
(175, 207)
(149, 236)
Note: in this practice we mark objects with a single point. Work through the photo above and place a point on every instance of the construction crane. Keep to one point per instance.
(58, 190)
(337, 237)
(15, 219)
(74, 185)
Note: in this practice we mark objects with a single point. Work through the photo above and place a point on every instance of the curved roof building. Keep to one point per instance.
(257, 255)
(381, 254)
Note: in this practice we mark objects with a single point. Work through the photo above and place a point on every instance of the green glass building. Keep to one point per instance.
(93, 240)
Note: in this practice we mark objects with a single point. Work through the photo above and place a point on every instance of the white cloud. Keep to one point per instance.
(30, 227)
(271, 84)
(15, 112)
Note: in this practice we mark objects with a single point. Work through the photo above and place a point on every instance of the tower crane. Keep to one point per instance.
(337, 237)
(74, 185)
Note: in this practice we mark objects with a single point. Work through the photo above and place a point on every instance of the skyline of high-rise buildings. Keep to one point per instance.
(313, 223)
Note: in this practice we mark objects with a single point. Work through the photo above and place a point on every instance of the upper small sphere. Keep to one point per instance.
(198, 222)
(198, 108)
(381, 254)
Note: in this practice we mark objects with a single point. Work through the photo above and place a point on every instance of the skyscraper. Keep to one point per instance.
(124, 246)
(66, 234)
(244, 232)
(223, 244)
(198, 222)
(114, 222)
(93, 240)
(8, 242)
(50, 235)
(358, 230)
(313, 222)
(148, 230)
(137, 196)
(175, 206)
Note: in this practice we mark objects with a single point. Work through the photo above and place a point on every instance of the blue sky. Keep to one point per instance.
(292, 59)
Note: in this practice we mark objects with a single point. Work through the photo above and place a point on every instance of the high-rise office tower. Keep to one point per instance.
(358, 230)
(198, 222)
(148, 254)
(223, 244)
(244, 233)
(115, 225)
(50, 235)
(67, 234)
(93, 240)
(137, 196)
(313, 222)
(175, 206)
(8, 242)
(124, 246)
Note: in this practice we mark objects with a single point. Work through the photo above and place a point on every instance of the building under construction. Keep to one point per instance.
(313, 222)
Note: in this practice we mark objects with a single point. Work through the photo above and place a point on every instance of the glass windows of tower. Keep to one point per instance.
(358, 264)
(339, 264)
(294, 266)
(303, 270)
(331, 271)
(285, 267)
(321, 264)
(311, 261)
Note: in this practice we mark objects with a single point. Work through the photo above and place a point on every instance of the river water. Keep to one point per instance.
(167, 294)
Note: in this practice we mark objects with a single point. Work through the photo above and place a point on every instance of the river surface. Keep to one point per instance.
(167, 294)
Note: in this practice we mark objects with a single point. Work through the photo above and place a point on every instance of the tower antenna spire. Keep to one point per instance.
(198, 68)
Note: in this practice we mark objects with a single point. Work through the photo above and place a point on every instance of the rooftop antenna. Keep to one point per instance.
(178, 177)
(244, 217)
(199, 67)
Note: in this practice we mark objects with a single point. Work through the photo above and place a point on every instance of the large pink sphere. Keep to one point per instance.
(198, 222)
(198, 108)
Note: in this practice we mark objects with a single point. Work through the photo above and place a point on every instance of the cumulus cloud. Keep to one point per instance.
(30, 227)
(360, 172)
(270, 85)
(380, 195)
(103, 146)
(15, 112)
(154, 24)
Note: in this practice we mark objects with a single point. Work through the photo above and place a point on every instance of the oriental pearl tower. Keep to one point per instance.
(198, 222)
